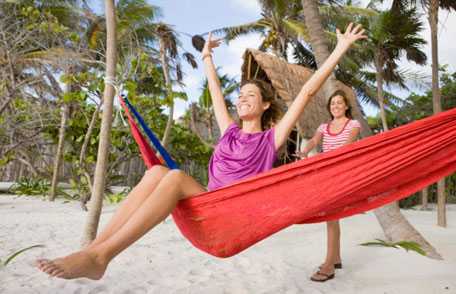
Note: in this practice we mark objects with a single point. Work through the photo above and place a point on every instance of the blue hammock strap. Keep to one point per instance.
(155, 141)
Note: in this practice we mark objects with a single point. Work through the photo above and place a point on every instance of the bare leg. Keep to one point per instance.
(92, 262)
(333, 251)
(333, 242)
(135, 198)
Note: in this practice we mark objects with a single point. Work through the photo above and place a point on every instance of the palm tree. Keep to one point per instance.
(103, 148)
(393, 223)
(169, 55)
(280, 25)
(432, 7)
(35, 58)
(68, 18)
(351, 70)
(391, 36)
(204, 111)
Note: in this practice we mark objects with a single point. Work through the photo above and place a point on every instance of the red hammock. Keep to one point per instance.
(352, 179)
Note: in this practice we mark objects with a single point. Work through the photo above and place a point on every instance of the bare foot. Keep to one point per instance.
(81, 264)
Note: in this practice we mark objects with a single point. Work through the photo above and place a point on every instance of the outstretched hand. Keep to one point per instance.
(301, 154)
(210, 44)
(351, 35)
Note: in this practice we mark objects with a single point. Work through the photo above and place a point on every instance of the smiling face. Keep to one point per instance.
(250, 103)
(338, 106)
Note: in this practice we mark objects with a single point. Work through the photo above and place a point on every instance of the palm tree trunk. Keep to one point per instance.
(318, 40)
(319, 43)
(12, 80)
(194, 111)
(5, 104)
(424, 198)
(82, 156)
(397, 228)
(436, 101)
(283, 48)
(88, 134)
(210, 126)
(393, 223)
(60, 146)
(169, 123)
(106, 121)
(380, 98)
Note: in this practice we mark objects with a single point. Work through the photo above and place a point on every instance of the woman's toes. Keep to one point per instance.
(56, 272)
(60, 275)
(49, 267)
(41, 262)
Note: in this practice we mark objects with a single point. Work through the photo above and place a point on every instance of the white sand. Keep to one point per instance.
(164, 262)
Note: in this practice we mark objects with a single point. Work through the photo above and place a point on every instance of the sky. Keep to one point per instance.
(200, 16)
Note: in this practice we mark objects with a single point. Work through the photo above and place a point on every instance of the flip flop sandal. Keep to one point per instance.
(326, 277)
(336, 266)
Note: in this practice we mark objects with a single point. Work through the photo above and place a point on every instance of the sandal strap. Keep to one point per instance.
(323, 274)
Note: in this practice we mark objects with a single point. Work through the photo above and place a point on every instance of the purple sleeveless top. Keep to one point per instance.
(239, 155)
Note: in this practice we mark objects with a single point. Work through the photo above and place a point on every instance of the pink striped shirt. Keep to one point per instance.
(332, 141)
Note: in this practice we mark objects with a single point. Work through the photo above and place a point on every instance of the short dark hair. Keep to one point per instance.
(348, 112)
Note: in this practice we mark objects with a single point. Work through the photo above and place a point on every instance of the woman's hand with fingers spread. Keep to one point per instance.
(351, 35)
(209, 45)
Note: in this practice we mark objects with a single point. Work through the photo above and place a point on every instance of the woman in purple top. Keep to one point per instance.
(242, 151)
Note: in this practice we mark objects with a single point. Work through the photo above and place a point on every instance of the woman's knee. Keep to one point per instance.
(186, 184)
(155, 172)
(175, 175)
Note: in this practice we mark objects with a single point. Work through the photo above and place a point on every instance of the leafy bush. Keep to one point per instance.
(30, 186)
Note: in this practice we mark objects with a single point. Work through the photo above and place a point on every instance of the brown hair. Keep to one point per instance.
(273, 114)
(348, 112)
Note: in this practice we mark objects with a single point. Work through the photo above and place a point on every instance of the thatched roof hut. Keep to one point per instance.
(287, 80)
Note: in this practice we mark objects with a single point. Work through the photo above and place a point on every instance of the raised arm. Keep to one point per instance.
(218, 101)
(344, 41)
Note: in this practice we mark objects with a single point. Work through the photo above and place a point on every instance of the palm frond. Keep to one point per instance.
(15, 254)
(304, 56)
(297, 28)
(190, 59)
(407, 245)
(231, 33)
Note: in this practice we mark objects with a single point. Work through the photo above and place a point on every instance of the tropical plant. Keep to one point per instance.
(280, 26)
(406, 245)
(103, 148)
(202, 112)
(30, 186)
(432, 6)
(17, 253)
(392, 36)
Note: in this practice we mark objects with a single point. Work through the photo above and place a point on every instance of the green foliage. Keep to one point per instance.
(36, 187)
(407, 245)
(15, 254)
(280, 26)
(7, 158)
(114, 198)
(30, 186)
(187, 149)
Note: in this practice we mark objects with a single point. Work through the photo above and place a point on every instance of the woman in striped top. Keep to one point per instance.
(341, 130)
